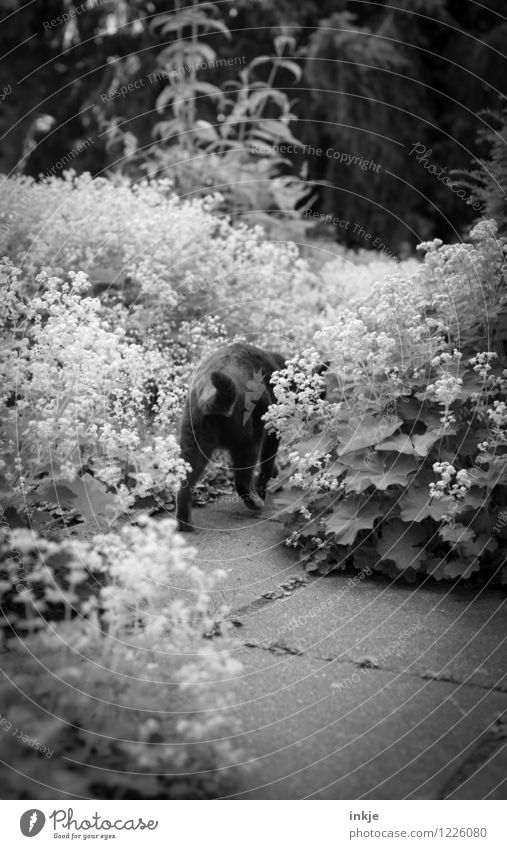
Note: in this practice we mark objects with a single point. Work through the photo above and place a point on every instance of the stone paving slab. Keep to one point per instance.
(435, 633)
(247, 545)
(330, 731)
(484, 780)
(371, 689)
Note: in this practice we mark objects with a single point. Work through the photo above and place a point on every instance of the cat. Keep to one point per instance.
(230, 393)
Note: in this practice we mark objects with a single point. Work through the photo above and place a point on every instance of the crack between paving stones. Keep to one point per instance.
(262, 601)
(281, 649)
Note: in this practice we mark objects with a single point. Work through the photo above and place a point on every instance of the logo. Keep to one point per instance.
(255, 388)
(32, 822)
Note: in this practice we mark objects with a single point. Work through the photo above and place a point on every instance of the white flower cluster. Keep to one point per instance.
(156, 604)
(462, 280)
(353, 350)
(498, 416)
(445, 390)
(292, 541)
(378, 346)
(297, 389)
(354, 275)
(448, 386)
(481, 363)
(492, 451)
(311, 472)
(142, 563)
(177, 256)
(445, 359)
(452, 484)
(81, 391)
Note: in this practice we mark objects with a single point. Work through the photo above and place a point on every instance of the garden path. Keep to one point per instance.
(371, 689)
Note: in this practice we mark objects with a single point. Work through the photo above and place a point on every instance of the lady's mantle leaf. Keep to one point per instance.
(402, 543)
(349, 517)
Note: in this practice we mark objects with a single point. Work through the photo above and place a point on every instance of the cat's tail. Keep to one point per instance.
(221, 400)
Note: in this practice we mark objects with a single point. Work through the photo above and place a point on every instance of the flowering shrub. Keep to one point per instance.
(357, 272)
(94, 385)
(110, 299)
(170, 260)
(122, 684)
(74, 411)
(165, 257)
(403, 466)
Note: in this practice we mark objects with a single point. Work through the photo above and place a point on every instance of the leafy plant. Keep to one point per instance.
(488, 183)
(75, 405)
(404, 465)
(179, 62)
(107, 699)
(237, 150)
(154, 258)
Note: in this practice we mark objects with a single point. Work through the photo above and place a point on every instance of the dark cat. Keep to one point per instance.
(229, 394)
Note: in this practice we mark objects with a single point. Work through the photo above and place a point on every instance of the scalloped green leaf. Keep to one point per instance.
(401, 443)
(289, 500)
(425, 441)
(351, 516)
(321, 443)
(419, 445)
(58, 493)
(369, 430)
(460, 535)
(397, 470)
(453, 569)
(415, 503)
(91, 500)
(403, 544)
(456, 533)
